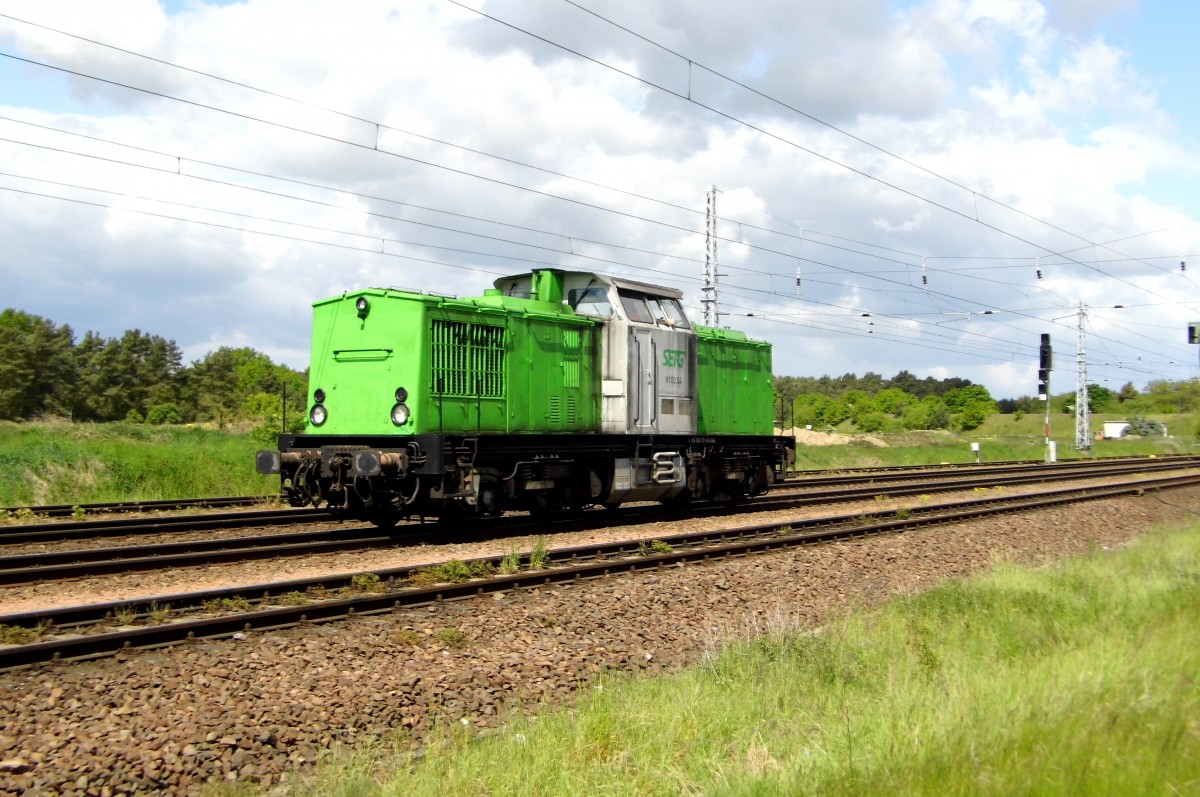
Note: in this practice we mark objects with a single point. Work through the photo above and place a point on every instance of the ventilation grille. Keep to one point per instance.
(570, 357)
(564, 412)
(468, 359)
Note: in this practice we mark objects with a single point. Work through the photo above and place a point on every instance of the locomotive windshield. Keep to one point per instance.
(635, 307)
(590, 301)
(653, 309)
(667, 311)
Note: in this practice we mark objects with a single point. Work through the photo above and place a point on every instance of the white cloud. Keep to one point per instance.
(1050, 118)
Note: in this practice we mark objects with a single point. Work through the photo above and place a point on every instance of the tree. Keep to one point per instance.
(1127, 393)
(813, 409)
(230, 383)
(893, 400)
(126, 375)
(855, 403)
(930, 413)
(37, 366)
(973, 416)
(958, 399)
(1100, 398)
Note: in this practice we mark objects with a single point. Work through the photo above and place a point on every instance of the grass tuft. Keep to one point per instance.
(234, 605)
(539, 555)
(452, 572)
(21, 635)
(366, 582)
(647, 547)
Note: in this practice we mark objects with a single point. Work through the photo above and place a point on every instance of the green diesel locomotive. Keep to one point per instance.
(554, 390)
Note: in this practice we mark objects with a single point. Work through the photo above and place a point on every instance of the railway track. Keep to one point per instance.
(66, 564)
(324, 599)
(124, 527)
(126, 507)
(813, 476)
(94, 529)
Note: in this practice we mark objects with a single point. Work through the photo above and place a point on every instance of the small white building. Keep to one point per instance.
(1114, 429)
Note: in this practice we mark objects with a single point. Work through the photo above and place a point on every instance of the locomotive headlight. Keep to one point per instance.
(401, 395)
(318, 414)
(362, 306)
(400, 414)
(319, 396)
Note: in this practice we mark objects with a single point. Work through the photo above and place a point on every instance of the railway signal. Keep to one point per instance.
(1045, 363)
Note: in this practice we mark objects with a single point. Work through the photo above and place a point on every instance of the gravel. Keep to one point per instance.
(261, 708)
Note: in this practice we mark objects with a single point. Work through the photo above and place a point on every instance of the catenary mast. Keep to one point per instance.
(708, 294)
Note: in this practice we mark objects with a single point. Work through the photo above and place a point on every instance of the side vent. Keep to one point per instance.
(467, 359)
(570, 357)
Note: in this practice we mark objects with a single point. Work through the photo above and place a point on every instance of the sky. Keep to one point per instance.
(919, 185)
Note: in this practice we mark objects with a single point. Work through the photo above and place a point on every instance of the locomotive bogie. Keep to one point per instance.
(448, 475)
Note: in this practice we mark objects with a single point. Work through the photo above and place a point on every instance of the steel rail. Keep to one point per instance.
(46, 532)
(957, 482)
(165, 504)
(1065, 462)
(153, 505)
(56, 565)
(764, 537)
(822, 479)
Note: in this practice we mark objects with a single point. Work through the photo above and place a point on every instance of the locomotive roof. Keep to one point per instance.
(653, 290)
(641, 287)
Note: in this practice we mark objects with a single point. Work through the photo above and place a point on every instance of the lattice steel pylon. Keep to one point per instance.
(708, 293)
(1083, 436)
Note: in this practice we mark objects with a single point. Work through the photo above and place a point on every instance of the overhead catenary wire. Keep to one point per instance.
(578, 54)
(654, 221)
(179, 159)
(810, 151)
(690, 60)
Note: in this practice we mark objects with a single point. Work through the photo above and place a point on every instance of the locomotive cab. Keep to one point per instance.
(648, 382)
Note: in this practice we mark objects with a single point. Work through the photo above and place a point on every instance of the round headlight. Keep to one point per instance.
(319, 396)
(362, 306)
(400, 414)
(401, 394)
(318, 414)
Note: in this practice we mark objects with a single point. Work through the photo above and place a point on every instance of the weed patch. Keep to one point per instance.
(235, 605)
(451, 637)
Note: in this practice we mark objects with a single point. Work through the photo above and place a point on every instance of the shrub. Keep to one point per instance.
(163, 413)
(1144, 427)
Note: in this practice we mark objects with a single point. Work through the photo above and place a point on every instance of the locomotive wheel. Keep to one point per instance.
(488, 502)
(384, 517)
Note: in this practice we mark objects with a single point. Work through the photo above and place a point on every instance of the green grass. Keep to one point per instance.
(1079, 678)
(65, 463)
(1001, 438)
(57, 462)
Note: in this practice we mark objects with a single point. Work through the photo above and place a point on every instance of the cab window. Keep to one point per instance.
(635, 307)
(590, 301)
(668, 312)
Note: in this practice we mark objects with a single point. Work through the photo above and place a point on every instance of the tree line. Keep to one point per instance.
(876, 404)
(1159, 397)
(138, 377)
